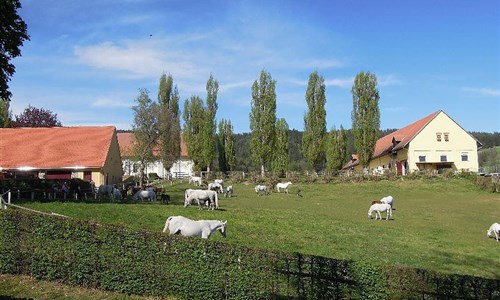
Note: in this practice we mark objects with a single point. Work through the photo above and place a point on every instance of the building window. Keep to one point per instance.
(443, 158)
(421, 158)
(465, 157)
(438, 136)
(446, 136)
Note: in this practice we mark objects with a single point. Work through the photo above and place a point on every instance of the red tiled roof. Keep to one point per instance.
(55, 147)
(403, 136)
(126, 140)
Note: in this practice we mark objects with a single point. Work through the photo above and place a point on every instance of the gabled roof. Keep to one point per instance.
(55, 147)
(126, 141)
(400, 138)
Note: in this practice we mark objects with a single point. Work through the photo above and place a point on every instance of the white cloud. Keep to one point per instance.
(338, 82)
(388, 80)
(108, 102)
(482, 91)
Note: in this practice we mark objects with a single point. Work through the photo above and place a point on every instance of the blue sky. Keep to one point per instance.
(87, 60)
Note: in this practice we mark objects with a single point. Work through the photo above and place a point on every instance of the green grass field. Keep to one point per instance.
(439, 224)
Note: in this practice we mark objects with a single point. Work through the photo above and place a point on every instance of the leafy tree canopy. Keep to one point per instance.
(36, 117)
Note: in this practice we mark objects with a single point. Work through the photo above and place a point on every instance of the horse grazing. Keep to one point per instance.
(188, 227)
(259, 189)
(283, 186)
(219, 181)
(214, 186)
(145, 194)
(229, 191)
(196, 180)
(494, 228)
(388, 200)
(378, 208)
(204, 195)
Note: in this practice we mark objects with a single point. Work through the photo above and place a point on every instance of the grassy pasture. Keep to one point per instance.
(439, 224)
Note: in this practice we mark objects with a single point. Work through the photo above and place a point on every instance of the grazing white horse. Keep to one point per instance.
(145, 194)
(188, 227)
(219, 181)
(388, 200)
(229, 191)
(204, 195)
(283, 186)
(378, 208)
(196, 180)
(261, 189)
(494, 228)
(214, 186)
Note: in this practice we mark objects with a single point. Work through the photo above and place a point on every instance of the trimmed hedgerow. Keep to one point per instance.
(138, 262)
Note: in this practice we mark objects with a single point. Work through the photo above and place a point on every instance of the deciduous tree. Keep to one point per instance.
(36, 117)
(263, 119)
(337, 149)
(280, 156)
(227, 156)
(169, 123)
(209, 123)
(146, 130)
(314, 137)
(13, 33)
(365, 115)
(193, 116)
(5, 114)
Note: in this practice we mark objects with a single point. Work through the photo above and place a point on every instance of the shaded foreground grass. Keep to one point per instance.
(24, 287)
(439, 224)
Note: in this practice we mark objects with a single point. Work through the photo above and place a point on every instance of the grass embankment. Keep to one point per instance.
(439, 224)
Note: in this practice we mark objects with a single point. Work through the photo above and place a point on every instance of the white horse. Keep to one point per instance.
(219, 181)
(388, 200)
(105, 190)
(283, 186)
(378, 208)
(204, 195)
(214, 186)
(229, 191)
(261, 189)
(196, 180)
(145, 194)
(188, 227)
(494, 228)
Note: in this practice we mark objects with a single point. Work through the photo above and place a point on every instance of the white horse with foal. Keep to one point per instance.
(494, 228)
(188, 227)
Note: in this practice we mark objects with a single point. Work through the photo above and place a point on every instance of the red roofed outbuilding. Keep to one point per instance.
(89, 153)
(434, 142)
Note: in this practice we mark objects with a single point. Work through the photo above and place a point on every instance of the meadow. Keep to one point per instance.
(438, 223)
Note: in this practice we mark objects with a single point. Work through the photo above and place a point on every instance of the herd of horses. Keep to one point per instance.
(209, 198)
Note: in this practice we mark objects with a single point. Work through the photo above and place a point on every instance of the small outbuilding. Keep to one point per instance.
(89, 153)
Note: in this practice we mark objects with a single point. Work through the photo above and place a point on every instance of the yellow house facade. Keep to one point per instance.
(434, 143)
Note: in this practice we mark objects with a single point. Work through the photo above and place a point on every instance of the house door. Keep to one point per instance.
(399, 167)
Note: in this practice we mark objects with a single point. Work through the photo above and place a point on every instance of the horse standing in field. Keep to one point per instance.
(261, 189)
(214, 186)
(188, 227)
(283, 186)
(229, 191)
(494, 228)
(145, 194)
(196, 180)
(378, 208)
(203, 195)
(110, 191)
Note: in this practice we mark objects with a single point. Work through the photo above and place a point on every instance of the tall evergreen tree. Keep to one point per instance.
(209, 124)
(314, 137)
(263, 119)
(193, 116)
(169, 123)
(13, 33)
(280, 155)
(337, 149)
(145, 129)
(365, 115)
(227, 156)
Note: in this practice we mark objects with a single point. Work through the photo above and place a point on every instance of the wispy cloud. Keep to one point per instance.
(389, 80)
(482, 91)
(340, 82)
(108, 102)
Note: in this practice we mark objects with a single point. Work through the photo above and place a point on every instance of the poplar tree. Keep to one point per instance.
(209, 124)
(145, 129)
(337, 149)
(5, 114)
(365, 115)
(169, 123)
(281, 156)
(192, 132)
(263, 120)
(227, 154)
(314, 137)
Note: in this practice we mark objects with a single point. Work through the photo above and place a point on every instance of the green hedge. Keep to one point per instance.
(119, 259)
